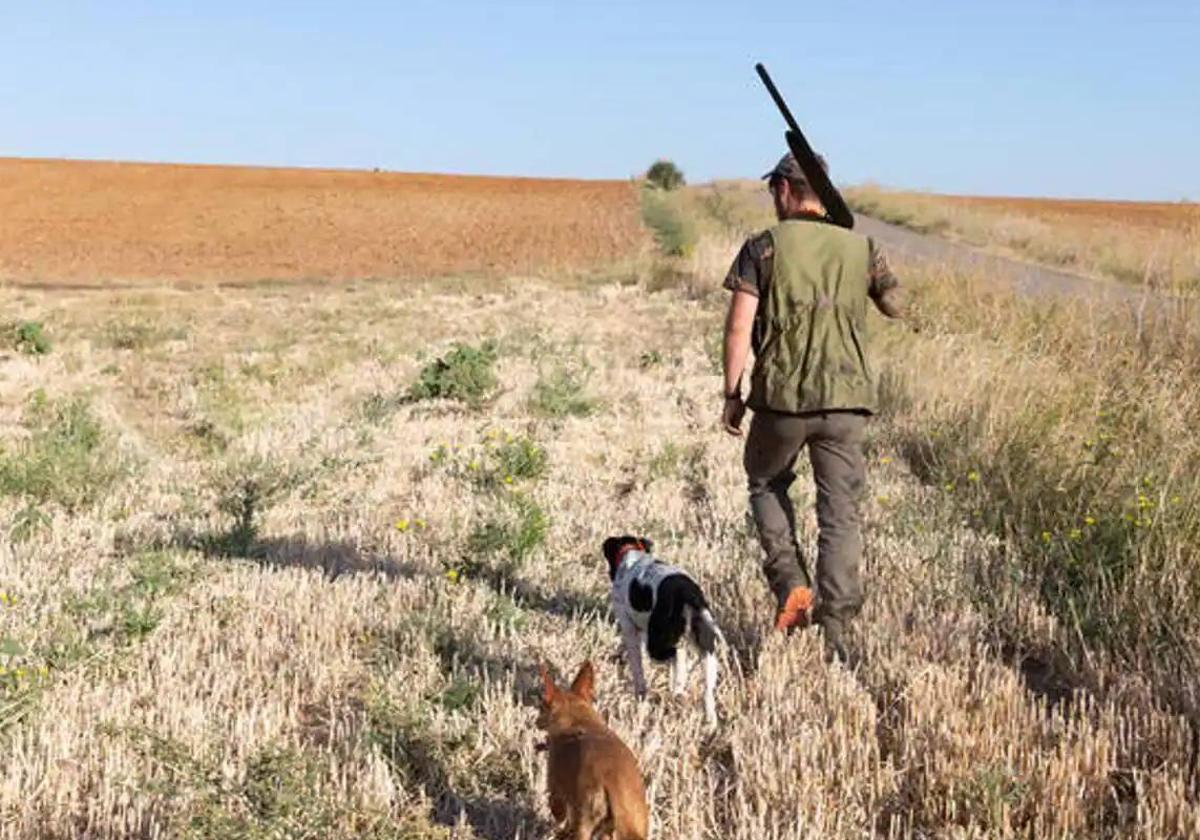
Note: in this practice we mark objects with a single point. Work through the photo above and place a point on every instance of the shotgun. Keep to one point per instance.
(835, 205)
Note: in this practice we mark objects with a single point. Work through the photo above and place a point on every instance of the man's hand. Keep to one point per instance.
(732, 414)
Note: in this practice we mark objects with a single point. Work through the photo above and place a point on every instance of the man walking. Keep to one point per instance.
(800, 298)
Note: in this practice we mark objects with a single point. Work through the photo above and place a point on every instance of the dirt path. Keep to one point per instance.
(1028, 277)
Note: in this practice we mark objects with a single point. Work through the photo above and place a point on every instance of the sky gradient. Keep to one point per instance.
(1083, 99)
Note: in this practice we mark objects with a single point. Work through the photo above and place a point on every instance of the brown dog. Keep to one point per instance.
(594, 779)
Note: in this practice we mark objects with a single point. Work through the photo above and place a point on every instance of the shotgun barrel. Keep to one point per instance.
(835, 205)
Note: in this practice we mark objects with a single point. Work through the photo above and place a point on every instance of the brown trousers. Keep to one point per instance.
(835, 450)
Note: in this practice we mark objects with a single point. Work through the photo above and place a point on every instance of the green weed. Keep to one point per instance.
(562, 392)
(515, 530)
(465, 374)
(68, 459)
(502, 459)
(28, 337)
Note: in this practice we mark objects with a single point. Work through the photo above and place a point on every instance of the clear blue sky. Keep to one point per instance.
(1094, 98)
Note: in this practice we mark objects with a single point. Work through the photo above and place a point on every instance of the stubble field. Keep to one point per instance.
(271, 570)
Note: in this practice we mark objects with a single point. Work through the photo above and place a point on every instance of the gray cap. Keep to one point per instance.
(790, 169)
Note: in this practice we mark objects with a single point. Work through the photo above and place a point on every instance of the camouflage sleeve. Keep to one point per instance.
(880, 276)
(751, 269)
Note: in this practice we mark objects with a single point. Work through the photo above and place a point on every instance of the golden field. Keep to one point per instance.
(270, 570)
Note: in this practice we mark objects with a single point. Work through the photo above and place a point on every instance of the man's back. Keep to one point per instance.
(812, 354)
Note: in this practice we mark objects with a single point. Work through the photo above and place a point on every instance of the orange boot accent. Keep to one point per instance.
(796, 610)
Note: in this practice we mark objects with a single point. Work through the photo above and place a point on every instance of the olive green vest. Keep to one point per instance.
(812, 355)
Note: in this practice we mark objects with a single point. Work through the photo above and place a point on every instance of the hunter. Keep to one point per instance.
(800, 293)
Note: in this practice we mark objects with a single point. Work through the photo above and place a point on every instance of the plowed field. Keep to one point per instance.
(1145, 214)
(103, 223)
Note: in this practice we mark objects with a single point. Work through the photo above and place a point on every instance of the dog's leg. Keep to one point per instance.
(710, 688)
(633, 649)
(680, 672)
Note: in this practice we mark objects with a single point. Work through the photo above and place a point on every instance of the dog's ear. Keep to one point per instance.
(647, 544)
(611, 545)
(584, 685)
(550, 691)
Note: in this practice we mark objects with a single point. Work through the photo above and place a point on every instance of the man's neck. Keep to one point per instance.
(805, 211)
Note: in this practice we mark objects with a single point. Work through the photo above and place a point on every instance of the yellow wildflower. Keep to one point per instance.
(1175, 500)
(508, 479)
(402, 525)
(1089, 520)
(418, 523)
(972, 476)
(1076, 534)
(452, 575)
(1045, 536)
(885, 460)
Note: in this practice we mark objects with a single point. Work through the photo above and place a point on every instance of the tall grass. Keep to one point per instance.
(1064, 430)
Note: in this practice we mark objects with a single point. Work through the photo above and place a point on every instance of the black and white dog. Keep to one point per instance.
(657, 604)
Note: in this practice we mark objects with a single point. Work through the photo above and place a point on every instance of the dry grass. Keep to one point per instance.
(105, 223)
(365, 666)
(300, 602)
(1156, 244)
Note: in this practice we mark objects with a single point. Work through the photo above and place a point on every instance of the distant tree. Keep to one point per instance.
(665, 175)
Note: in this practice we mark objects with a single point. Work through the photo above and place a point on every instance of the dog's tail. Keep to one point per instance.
(704, 626)
(707, 633)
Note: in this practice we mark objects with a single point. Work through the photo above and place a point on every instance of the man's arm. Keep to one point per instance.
(739, 323)
(884, 287)
(891, 303)
(745, 280)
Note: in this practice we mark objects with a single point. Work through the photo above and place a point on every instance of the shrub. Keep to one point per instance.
(561, 393)
(29, 337)
(513, 532)
(67, 458)
(244, 489)
(665, 175)
(673, 228)
(465, 374)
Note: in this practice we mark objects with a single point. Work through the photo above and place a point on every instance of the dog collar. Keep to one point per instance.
(625, 549)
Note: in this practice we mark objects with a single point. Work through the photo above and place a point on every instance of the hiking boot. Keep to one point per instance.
(834, 636)
(796, 611)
